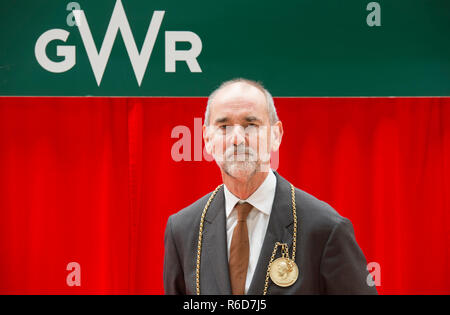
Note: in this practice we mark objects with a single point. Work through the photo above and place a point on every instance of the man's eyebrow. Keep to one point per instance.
(252, 119)
(247, 119)
(221, 120)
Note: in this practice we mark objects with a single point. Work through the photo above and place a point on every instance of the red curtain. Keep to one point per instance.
(93, 181)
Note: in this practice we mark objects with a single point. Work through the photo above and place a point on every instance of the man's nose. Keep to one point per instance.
(237, 135)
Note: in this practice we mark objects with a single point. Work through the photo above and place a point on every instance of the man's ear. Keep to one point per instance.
(207, 139)
(276, 135)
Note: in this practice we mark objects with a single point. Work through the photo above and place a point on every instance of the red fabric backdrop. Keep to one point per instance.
(93, 181)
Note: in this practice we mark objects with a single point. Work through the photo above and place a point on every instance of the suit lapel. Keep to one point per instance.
(215, 244)
(278, 230)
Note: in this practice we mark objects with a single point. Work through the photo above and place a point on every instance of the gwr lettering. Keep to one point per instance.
(99, 58)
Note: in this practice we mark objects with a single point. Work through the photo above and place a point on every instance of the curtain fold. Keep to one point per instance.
(93, 181)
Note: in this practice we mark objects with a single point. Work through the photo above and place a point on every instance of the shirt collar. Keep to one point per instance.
(261, 199)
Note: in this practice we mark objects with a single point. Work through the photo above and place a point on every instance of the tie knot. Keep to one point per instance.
(243, 210)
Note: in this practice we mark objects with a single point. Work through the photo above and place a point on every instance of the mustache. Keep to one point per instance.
(241, 149)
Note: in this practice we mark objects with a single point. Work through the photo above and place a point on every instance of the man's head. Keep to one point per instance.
(241, 128)
(269, 100)
(283, 270)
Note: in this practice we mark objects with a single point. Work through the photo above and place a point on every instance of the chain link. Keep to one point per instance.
(294, 214)
(200, 236)
(284, 247)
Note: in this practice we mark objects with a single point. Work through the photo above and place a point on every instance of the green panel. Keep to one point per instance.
(296, 48)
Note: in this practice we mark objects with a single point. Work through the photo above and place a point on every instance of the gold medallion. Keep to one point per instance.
(283, 272)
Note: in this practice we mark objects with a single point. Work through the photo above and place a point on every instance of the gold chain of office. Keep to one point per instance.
(284, 247)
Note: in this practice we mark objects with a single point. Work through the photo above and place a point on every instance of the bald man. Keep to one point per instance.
(230, 240)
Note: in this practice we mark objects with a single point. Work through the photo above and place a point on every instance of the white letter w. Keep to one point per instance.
(118, 21)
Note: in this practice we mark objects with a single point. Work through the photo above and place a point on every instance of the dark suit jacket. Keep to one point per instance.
(328, 257)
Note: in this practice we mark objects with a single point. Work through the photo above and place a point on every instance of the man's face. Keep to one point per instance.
(239, 135)
(283, 270)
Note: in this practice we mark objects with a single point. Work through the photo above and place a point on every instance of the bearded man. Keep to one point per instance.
(228, 241)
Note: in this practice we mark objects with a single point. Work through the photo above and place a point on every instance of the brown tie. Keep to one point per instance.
(239, 250)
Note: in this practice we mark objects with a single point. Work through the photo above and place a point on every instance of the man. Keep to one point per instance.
(229, 241)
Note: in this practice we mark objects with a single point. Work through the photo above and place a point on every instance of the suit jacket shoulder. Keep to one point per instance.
(319, 215)
(184, 225)
(333, 251)
(190, 215)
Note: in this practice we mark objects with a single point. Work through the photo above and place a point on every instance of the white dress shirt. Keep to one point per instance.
(257, 220)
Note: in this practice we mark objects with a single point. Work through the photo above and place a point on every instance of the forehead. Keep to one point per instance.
(239, 99)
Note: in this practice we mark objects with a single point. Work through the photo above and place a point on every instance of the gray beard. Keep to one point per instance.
(244, 165)
(240, 169)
